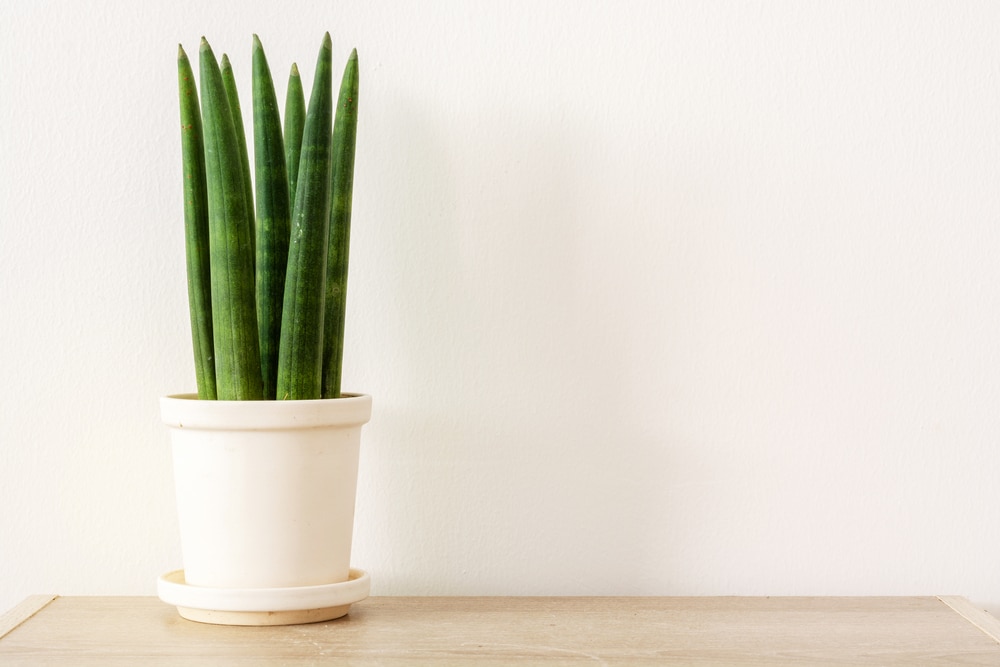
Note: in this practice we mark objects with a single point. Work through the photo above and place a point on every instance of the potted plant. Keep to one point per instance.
(266, 453)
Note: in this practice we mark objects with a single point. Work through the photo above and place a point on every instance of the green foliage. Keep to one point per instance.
(345, 131)
(196, 228)
(232, 95)
(300, 356)
(295, 120)
(234, 316)
(266, 291)
(273, 216)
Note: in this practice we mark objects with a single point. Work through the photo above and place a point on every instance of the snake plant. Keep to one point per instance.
(267, 260)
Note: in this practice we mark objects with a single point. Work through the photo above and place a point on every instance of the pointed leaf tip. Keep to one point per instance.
(256, 42)
(295, 70)
(354, 54)
(180, 52)
(225, 61)
(327, 42)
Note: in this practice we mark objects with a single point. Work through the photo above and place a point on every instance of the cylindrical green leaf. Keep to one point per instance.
(196, 228)
(237, 353)
(300, 358)
(345, 131)
(229, 81)
(273, 213)
(295, 119)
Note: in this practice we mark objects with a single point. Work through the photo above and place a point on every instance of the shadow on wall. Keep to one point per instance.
(504, 438)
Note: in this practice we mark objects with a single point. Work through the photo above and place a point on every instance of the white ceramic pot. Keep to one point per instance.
(265, 500)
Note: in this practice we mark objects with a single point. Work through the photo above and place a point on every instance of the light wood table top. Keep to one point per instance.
(442, 631)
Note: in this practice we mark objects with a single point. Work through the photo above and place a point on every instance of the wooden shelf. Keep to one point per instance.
(441, 631)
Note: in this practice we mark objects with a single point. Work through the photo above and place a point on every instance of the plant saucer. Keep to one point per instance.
(262, 606)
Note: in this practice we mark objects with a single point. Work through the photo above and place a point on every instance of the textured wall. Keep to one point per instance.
(652, 298)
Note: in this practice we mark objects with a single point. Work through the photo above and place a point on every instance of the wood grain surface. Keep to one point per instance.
(445, 631)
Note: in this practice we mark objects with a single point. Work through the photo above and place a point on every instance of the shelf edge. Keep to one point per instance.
(30, 606)
(977, 617)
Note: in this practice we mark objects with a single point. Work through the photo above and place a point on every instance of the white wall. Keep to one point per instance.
(653, 298)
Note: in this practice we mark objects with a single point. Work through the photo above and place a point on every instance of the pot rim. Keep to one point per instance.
(188, 412)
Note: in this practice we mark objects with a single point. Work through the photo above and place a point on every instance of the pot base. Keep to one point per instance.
(263, 606)
(260, 618)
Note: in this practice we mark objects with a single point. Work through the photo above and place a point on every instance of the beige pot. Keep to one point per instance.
(265, 500)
